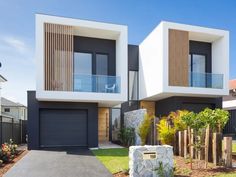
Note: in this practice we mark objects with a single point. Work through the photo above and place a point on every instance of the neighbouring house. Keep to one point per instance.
(88, 76)
(2, 79)
(229, 103)
(12, 109)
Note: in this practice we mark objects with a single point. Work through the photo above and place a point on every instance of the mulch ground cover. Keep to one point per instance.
(183, 169)
(5, 167)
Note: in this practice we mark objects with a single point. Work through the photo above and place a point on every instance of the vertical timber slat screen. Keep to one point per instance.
(58, 57)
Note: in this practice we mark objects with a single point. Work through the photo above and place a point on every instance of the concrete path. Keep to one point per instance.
(108, 145)
(73, 163)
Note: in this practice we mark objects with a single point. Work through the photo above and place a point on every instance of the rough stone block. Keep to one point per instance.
(142, 166)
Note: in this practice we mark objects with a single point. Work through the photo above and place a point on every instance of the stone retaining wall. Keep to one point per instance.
(133, 119)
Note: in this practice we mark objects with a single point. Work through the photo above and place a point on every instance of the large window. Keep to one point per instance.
(101, 71)
(197, 66)
(83, 72)
(133, 85)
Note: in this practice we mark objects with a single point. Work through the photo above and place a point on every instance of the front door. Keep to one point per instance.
(103, 124)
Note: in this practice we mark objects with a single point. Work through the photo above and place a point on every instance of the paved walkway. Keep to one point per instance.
(108, 145)
(74, 163)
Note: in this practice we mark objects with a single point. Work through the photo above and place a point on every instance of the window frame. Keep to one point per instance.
(137, 85)
(7, 109)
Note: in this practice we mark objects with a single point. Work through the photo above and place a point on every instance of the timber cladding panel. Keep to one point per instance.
(149, 106)
(178, 58)
(58, 57)
(103, 124)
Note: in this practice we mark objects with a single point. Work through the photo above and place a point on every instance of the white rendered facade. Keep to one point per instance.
(86, 29)
(153, 67)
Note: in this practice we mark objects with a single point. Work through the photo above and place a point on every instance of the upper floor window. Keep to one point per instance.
(197, 63)
(82, 71)
(133, 85)
(6, 109)
(82, 63)
(197, 68)
(101, 64)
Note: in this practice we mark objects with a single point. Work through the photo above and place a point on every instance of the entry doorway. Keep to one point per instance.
(103, 125)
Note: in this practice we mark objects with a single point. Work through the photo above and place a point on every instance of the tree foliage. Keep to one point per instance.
(144, 128)
(166, 133)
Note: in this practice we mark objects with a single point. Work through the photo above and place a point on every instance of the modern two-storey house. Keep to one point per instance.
(86, 69)
(181, 67)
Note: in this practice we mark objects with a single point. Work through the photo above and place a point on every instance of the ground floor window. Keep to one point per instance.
(115, 116)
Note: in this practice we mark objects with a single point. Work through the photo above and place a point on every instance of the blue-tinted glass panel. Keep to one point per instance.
(83, 66)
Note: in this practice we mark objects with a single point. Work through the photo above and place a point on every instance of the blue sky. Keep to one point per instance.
(17, 28)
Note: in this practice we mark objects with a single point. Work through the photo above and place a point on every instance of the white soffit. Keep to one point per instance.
(198, 33)
(204, 37)
(96, 33)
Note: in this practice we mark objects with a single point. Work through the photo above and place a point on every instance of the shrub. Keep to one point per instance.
(166, 133)
(127, 136)
(189, 118)
(220, 118)
(177, 120)
(8, 151)
(144, 128)
(216, 119)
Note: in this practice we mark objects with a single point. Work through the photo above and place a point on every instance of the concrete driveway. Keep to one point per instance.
(72, 163)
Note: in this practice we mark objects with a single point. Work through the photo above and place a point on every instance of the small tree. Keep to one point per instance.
(144, 128)
(165, 131)
(219, 119)
(177, 120)
(216, 119)
(127, 136)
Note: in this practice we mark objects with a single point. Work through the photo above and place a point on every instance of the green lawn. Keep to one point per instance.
(226, 175)
(115, 160)
(234, 147)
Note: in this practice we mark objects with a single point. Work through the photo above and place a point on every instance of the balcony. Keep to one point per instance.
(206, 80)
(96, 83)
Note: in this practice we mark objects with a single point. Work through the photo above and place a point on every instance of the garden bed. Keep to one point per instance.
(183, 169)
(116, 161)
(5, 167)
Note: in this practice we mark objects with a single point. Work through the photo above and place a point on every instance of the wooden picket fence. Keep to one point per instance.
(211, 150)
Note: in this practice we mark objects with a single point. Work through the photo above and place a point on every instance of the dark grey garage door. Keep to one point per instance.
(63, 128)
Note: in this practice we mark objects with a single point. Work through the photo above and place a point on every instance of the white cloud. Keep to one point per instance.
(18, 67)
(15, 43)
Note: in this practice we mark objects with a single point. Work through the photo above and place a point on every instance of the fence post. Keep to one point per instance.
(210, 149)
(228, 151)
(154, 132)
(217, 148)
(189, 140)
(181, 143)
(12, 126)
(176, 143)
(207, 145)
(192, 142)
(202, 152)
(185, 143)
(20, 131)
(1, 129)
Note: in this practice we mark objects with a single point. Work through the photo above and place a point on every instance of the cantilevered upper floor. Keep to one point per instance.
(80, 60)
(183, 60)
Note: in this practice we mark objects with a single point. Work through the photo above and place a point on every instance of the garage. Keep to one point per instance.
(66, 127)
